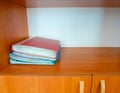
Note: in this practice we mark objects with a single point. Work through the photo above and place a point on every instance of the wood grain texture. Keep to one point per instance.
(111, 83)
(68, 3)
(13, 27)
(74, 61)
(43, 84)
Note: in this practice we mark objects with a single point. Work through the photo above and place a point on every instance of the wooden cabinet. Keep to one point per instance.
(106, 83)
(60, 84)
(45, 84)
(75, 65)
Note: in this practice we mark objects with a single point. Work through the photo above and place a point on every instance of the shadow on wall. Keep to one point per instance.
(110, 35)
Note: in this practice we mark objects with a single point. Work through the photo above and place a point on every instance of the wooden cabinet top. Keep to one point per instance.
(74, 61)
(68, 3)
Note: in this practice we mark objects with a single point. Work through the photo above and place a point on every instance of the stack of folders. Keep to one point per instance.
(36, 51)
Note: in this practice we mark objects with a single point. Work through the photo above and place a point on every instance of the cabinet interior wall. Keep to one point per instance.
(13, 27)
(76, 26)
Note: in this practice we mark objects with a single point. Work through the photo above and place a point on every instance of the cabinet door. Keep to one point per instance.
(44, 84)
(106, 84)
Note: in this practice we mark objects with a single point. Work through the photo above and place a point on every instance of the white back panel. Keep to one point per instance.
(76, 27)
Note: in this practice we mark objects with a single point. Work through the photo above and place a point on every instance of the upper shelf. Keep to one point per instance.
(68, 3)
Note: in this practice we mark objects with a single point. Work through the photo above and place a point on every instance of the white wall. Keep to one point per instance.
(77, 27)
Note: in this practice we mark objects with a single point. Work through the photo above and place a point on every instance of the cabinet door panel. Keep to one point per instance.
(44, 84)
(112, 83)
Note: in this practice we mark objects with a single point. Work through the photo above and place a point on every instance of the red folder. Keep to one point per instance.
(38, 46)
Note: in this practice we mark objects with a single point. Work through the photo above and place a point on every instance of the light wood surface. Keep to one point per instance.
(13, 27)
(74, 61)
(43, 84)
(112, 83)
(69, 3)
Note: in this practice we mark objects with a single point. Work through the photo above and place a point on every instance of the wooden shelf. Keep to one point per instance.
(74, 61)
(68, 3)
(76, 64)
